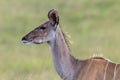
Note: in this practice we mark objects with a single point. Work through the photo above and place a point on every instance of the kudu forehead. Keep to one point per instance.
(40, 31)
(45, 25)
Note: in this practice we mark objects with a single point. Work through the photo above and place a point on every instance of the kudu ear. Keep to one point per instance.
(53, 17)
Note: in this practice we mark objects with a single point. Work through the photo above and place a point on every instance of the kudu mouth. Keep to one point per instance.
(25, 41)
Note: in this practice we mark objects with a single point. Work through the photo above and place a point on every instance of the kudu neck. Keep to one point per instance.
(63, 60)
(59, 44)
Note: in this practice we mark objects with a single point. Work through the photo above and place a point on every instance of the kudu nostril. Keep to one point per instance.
(24, 39)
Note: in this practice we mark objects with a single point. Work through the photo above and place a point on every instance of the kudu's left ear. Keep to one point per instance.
(53, 17)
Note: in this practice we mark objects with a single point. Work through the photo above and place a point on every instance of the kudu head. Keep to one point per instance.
(45, 32)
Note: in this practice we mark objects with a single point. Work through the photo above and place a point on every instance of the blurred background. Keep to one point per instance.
(94, 27)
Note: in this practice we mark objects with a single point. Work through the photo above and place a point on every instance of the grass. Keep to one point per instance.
(92, 24)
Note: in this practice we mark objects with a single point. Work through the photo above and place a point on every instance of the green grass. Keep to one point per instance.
(93, 25)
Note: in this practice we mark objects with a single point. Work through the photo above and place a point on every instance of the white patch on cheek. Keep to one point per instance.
(40, 41)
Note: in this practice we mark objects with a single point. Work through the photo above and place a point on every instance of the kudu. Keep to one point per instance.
(66, 65)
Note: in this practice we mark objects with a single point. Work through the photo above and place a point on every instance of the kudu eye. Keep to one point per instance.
(42, 28)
